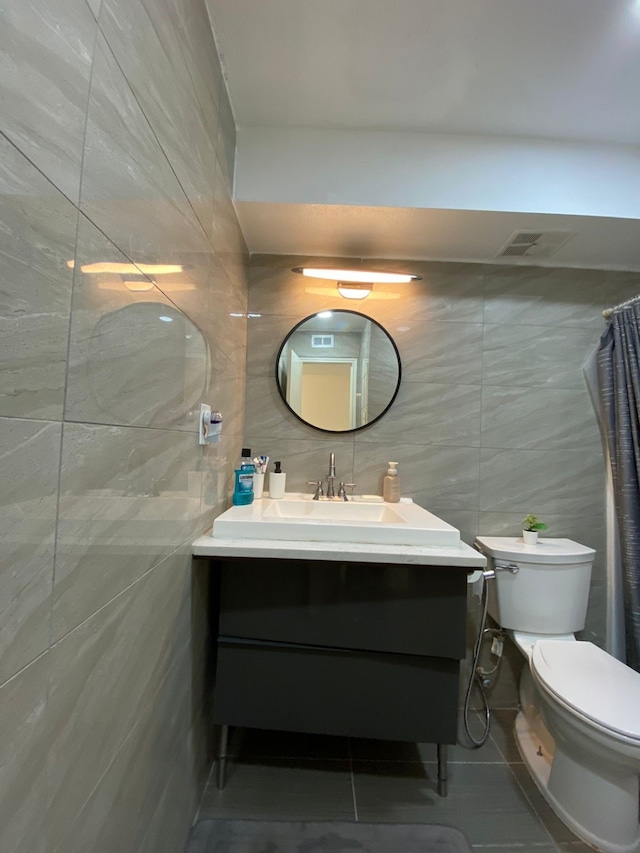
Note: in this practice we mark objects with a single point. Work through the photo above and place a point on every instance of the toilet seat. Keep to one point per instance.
(590, 682)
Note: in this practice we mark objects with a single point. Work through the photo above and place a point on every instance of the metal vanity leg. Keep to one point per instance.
(221, 759)
(442, 769)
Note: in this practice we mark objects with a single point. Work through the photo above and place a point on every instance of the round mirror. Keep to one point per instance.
(338, 371)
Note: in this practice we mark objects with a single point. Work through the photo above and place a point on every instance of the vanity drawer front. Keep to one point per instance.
(332, 691)
(403, 609)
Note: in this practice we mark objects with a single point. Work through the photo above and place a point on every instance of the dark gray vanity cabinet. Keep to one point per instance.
(359, 649)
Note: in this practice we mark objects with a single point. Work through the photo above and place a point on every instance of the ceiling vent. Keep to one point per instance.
(540, 244)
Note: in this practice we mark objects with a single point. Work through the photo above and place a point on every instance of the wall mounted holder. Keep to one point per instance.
(209, 425)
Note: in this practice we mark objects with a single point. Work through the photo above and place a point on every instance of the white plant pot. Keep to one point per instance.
(530, 537)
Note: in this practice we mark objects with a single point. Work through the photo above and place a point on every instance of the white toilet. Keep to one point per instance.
(578, 729)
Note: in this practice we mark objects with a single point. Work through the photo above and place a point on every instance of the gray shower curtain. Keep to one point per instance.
(618, 363)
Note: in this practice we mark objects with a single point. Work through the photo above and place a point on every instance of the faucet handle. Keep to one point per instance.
(318, 484)
(341, 491)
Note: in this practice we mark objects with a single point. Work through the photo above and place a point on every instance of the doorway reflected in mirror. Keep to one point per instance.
(338, 371)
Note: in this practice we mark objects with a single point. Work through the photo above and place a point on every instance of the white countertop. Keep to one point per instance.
(409, 555)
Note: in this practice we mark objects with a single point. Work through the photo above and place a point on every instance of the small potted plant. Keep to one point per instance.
(530, 528)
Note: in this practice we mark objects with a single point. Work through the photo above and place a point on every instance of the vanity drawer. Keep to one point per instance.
(418, 610)
(332, 691)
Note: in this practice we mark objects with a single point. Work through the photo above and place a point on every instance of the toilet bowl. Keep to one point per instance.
(578, 727)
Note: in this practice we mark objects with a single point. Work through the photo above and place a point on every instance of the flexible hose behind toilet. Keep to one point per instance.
(479, 676)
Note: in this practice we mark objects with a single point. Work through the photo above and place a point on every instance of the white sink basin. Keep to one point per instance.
(299, 518)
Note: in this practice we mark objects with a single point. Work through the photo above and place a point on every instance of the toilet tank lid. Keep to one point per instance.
(592, 682)
(544, 551)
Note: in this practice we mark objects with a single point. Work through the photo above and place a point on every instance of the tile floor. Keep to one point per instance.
(288, 776)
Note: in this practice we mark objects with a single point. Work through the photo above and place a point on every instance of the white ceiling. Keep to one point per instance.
(561, 70)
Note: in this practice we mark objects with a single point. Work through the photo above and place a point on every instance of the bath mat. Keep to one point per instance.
(266, 836)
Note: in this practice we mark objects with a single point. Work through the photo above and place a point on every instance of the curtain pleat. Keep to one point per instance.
(619, 381)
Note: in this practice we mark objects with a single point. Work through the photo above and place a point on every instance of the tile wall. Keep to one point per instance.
(116, 146)
(493, 419)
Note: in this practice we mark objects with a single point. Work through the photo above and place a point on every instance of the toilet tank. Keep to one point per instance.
(549, 592)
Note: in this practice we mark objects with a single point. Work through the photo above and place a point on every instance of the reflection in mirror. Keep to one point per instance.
(338, 371)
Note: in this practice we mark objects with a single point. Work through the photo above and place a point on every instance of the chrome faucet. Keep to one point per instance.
(318, 484)
(331, 481)
(342, 495)
(331, 476)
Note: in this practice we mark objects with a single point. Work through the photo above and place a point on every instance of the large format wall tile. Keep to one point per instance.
(47, 50)
(125, 504)
(120, 121)
(438, 351)
(105, 675)
(195, 37)
(265, 335)
(224, 319)
(595, 627)
(425, 413)
(443, 477)
(541, 296)
(226, 236)
(129, 189)
(448, 291)
(37, 236)
(588, 529)
(535, 355)
(226, 392)
(29, 465)
(620, 286)
(24, 740)
(94, 5)
(565, 482)
(218, 464)
(226, 138)
(148, 54)
(274, 289)
(539, 419)
(147, 792)
(134, 359)
(304, 460)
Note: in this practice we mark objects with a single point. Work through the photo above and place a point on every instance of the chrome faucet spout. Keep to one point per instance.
(331, 476)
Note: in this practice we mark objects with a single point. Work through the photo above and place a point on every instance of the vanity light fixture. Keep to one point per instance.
(354, 291)
(357, 284)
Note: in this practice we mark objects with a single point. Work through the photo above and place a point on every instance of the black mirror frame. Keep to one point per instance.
(339, 431)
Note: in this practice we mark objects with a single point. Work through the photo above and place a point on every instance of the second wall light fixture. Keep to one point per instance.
(356, 283)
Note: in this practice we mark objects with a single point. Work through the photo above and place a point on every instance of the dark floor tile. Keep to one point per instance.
(389, 750)
(556, 828)
(281, 789)
(485, 801)
(246, 743)
(502, 736)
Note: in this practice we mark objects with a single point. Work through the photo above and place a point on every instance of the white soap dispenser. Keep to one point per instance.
(277, 480)
(391, 484)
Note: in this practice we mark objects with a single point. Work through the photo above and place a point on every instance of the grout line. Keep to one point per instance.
(353, 782)
(530, 801)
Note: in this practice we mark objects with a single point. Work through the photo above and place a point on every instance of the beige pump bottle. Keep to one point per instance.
(391, 485)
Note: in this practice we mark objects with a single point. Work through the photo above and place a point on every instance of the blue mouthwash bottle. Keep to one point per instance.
(243, 491)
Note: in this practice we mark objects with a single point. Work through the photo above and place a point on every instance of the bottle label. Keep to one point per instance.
(245, 482)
